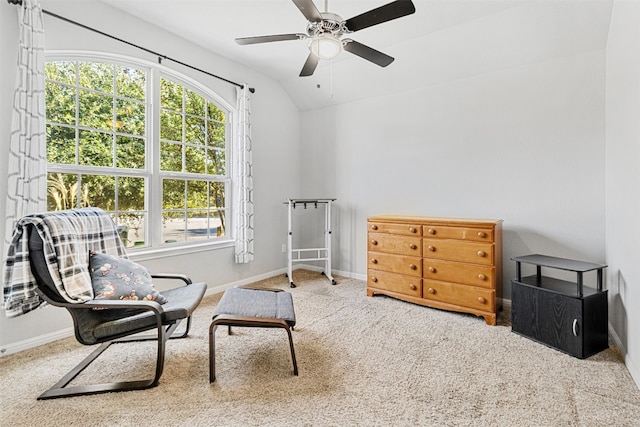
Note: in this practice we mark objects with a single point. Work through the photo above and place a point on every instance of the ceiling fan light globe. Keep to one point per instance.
(325, 47)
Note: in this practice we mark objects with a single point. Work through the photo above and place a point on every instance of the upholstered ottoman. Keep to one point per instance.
(248, 307)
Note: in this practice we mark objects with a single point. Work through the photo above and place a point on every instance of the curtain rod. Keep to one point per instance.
(159, 55)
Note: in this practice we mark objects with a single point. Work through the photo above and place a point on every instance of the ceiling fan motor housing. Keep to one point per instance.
(331, 24)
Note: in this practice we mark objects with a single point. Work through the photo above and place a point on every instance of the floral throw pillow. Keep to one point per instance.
(121, 279)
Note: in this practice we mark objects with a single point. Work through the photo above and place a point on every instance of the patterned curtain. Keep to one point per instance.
(27, 183)
(244, 218)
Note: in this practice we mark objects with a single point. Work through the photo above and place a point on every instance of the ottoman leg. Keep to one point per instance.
(293, 353)
(212, 352)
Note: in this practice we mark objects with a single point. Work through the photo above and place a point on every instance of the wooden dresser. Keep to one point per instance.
(446, 263)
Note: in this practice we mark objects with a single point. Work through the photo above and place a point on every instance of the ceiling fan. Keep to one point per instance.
(325, 30)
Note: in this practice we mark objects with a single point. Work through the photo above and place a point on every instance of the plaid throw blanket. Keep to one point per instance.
(68, 236)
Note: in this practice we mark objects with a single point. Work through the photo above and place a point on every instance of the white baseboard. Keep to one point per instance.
(631, 366)
(350, 275)
(319, 269)
(35, 341)
(220, 288)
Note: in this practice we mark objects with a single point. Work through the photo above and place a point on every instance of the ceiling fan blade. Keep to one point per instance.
(309, 10)
(267, 39)
(309, 66)
(388, 12)
(367, 53)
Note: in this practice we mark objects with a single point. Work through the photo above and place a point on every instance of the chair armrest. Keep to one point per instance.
(186, 279)
(107, 303)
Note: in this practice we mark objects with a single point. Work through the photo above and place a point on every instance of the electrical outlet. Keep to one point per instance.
(284, 247)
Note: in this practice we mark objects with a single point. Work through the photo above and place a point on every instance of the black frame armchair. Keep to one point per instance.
(107, 322)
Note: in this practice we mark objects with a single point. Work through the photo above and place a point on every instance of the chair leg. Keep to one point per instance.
(186, 330)
(60, 389)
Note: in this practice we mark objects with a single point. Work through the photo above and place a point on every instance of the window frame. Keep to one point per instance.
(152, 173)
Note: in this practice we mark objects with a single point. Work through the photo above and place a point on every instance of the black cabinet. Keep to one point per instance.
(565, 315)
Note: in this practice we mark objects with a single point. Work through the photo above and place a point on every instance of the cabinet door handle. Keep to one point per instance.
(374, 227)
(374, 279)
(413, 287)
(412, 266)
(482, 234)
(431, 248)
(481, 253)
(374, 261)
(481, 300)
(432, 291)
(575, 327)
(432, 269)
(412, 246)
(482, 276)
(412, 229)
(431, 231)
(374, 242)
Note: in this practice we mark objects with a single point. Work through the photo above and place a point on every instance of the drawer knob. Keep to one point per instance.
(374, 242)
(374, 261)
(431, 291)
(482, 234)
(481, 254)
(412, 246)
(374, 227)
(413, 287)
(412, 266)
(431, 248)
(481, 300)
(412, 229)
(432, 269)
(374, 279)
(482, 276)
(431, 231)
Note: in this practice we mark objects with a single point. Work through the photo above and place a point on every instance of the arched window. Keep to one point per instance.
(145, 144)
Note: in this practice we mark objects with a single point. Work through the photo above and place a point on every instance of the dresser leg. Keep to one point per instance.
(491, 319)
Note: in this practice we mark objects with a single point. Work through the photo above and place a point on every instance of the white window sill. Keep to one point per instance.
(144, 254)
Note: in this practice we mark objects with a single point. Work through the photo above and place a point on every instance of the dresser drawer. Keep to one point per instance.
(450, 271)
(401, 245)
(462, 233)
(466, 296)
(391, 228)
(402, 264)
(393, 282)
(456, 250)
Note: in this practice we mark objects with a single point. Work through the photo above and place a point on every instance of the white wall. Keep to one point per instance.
(275, 131)
(522, 144)
(623, 179)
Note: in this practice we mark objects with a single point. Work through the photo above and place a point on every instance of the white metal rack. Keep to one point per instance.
(310, 254)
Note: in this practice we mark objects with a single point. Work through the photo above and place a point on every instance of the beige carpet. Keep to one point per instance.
(363, 361)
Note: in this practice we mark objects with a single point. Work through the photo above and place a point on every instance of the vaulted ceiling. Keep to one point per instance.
(442, 41)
